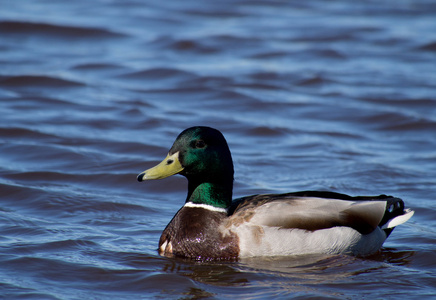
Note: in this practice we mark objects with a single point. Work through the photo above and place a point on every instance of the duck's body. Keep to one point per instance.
(212, 226)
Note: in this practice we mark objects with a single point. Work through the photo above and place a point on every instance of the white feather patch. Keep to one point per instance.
(166, 247)
(163, 246)
(334, 240)
(399, 220)
(206, 206)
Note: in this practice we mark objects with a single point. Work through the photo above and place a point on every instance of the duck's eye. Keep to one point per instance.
(200, 144)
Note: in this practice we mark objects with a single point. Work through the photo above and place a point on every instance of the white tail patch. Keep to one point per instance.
(399, 220)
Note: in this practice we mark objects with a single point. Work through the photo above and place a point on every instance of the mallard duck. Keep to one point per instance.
(210, 226)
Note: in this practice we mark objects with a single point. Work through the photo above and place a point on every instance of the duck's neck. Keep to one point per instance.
(209, 193)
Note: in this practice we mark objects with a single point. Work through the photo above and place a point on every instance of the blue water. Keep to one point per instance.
(320, 95)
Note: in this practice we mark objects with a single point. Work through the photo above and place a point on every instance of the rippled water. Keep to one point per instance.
(336, 95)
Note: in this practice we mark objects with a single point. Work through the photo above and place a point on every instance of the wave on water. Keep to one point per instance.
(55, 30)
(37, 81)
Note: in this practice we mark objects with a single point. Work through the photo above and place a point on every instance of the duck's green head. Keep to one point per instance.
(202, 155)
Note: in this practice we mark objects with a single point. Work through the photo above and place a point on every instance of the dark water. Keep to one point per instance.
(331, 95)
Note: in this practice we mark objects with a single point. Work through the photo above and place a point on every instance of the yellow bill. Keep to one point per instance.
(169, 166)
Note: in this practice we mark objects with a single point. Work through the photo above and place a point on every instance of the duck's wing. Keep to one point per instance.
(316, 210)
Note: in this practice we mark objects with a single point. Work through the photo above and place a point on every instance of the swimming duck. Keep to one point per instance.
(210, 226)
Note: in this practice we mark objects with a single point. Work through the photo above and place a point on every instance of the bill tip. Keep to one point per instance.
(140, 177)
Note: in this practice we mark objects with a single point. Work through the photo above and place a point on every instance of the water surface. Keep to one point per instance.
(333, 96)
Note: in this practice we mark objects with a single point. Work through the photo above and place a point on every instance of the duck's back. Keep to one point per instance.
(303, 222)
